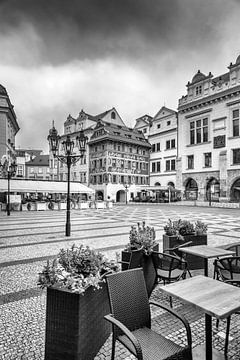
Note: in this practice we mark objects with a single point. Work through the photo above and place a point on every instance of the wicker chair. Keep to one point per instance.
(131, 320)
(175, 252)
(227, 269)
(169, 268)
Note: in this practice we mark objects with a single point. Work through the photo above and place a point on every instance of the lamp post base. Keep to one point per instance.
(68, 229)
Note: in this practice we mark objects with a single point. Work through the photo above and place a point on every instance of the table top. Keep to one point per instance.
(206, 251)
(214, 297)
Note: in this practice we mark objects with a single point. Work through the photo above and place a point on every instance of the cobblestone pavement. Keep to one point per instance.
(28, 239)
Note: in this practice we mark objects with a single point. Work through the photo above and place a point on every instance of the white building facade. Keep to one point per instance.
(208, 164)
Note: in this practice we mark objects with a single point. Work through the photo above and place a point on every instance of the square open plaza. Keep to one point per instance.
(29, 239)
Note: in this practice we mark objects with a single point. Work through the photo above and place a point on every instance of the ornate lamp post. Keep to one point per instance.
(68, 159)
(9, 168)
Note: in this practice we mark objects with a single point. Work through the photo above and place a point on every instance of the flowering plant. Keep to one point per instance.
(76, 269)
(180, 228)
(142, 236)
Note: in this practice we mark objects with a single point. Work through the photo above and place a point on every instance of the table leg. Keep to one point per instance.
(205, 266)
(208, 334)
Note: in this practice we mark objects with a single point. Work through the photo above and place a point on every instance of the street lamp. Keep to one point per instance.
(9, 168)
(68, 159)
(126, 190)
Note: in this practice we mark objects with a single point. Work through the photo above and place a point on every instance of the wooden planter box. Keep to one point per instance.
(83, 205)
(75, 327)
(62, 206)
(148, 268)
(194, 262)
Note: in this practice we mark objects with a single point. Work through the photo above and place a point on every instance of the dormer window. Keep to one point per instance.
(113, 115)
(198, 90)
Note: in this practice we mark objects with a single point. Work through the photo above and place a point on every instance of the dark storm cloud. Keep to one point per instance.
(128, 29)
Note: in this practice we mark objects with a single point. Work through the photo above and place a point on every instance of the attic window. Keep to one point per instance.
(128, 135)
(116, 133)
(113, 115)
(158, 126)
(119, 126)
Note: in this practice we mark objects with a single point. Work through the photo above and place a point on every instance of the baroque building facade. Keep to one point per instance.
(208, 165)
(118, 161)
(8, 125)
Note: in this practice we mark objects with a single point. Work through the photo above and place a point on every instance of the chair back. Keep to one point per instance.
(228, 268)
(234, 247)
(129, 299)
(168, 263)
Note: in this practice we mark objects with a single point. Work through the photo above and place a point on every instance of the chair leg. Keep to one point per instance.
(217, 324)
(227, 335)
(113, 347)
(170, 300)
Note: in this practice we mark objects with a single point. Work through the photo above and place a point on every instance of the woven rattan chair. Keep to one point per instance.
(177, 253)
(227, 269)
(131, 320)
(169, 268)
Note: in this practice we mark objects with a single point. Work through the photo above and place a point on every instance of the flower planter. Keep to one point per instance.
(40, 206)
(75, 327)
(62, 206)
(100, 205)
(83, 205)
(194, 262)
(147, 264)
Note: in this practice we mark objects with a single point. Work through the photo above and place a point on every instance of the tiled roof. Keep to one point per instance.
(119, 133)
(40, 160)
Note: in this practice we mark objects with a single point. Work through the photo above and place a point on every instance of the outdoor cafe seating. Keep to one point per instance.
(131, 320)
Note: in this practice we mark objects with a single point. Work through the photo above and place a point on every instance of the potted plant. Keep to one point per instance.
(77, 301)
(142, 237)
(180, 231)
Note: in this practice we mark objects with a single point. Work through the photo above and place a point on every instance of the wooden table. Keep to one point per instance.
(214, 298)
(206, 252)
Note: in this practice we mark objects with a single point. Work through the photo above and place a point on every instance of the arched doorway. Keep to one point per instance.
(212, 189)
(99, 195)
(191, 189)
(121, 196)
(171, 184)
(235, 191)
(157, 184)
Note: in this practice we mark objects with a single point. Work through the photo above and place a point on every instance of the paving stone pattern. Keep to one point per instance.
(28, 239)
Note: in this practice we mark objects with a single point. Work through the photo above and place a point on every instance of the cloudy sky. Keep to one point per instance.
(61, 56)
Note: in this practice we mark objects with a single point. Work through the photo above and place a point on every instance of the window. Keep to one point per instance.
(129, 165)
(198, 90)
(144, 130)
(190, 162)
(168, 122)
(153, 147)
(119, 148)
(20, 170)
(170, 165)
(236, 156)
(32, 170)
(122, 179)
(199, 131)
(114, 179)
(130, 150)
(235, 115)
(170, 144)
(153, 167)
(113, 115)
(40, 170)
(158, 126)
(207, 159)
(158, 146)
(158, 166)
(114, 162)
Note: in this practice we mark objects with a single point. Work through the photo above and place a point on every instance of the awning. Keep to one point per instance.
(43, 186)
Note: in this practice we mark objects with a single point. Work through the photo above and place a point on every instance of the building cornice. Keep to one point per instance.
(198, 113)
(208, 100)
(163, 132)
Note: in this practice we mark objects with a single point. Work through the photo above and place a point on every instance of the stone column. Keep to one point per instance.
(223, 176)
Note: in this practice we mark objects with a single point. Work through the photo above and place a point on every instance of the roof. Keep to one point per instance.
(199, 76)
(39, 160)
(224, 78)
(29, 151)
(118, 133)
(3, 90)
(22, 185)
